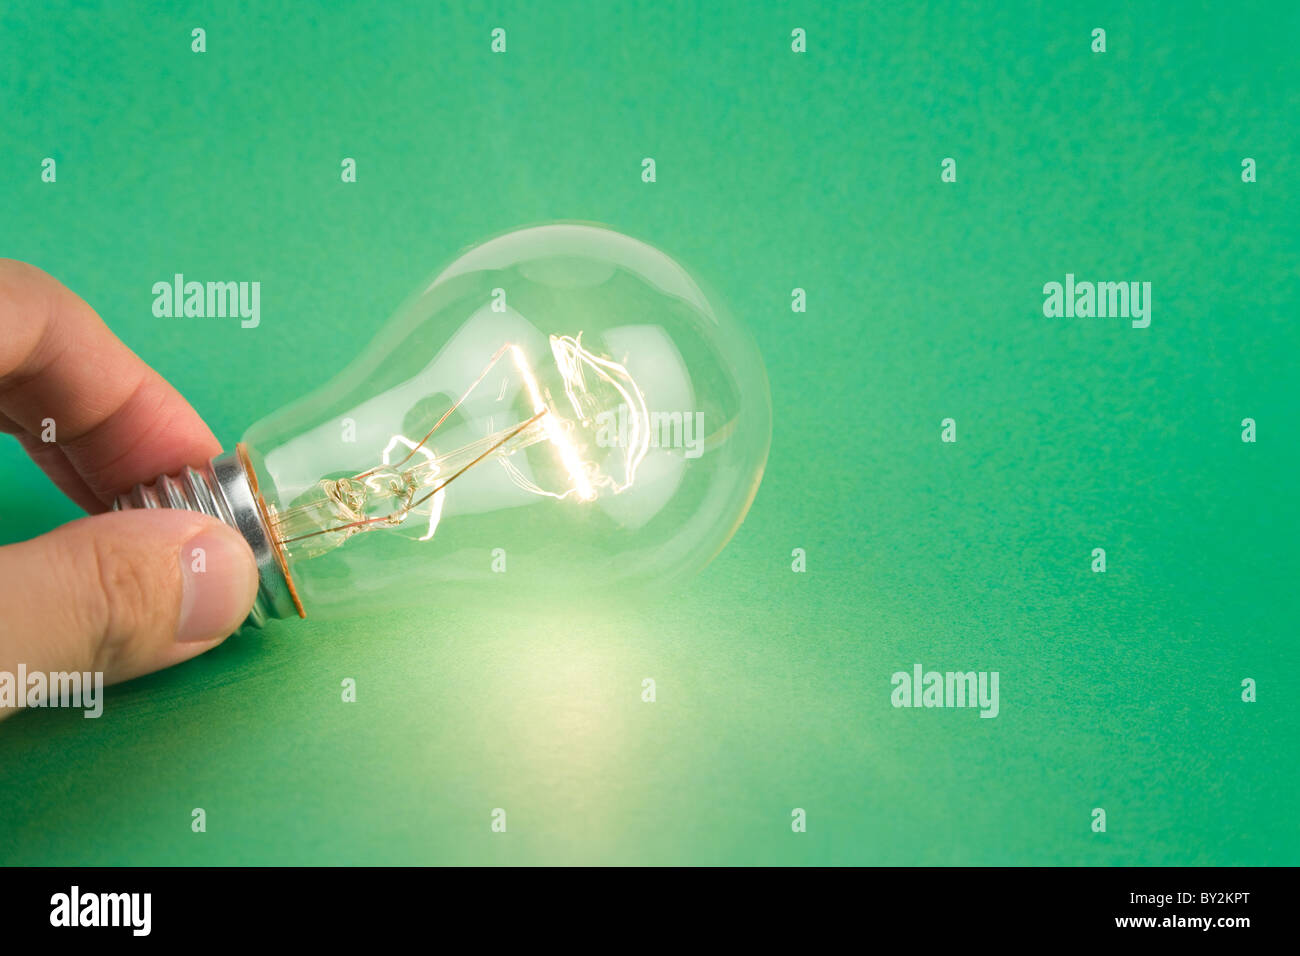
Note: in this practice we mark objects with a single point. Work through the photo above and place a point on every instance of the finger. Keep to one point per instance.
(115, 419)
(124, 593)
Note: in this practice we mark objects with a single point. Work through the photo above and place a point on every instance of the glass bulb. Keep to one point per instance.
(561, 407)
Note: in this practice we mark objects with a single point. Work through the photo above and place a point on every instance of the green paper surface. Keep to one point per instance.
(775, 171)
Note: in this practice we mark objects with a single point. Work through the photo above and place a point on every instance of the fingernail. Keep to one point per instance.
(220, 582)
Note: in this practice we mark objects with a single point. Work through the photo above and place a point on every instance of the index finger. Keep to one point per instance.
(116, 421)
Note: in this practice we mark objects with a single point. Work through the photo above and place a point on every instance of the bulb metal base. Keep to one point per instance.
(222, 488)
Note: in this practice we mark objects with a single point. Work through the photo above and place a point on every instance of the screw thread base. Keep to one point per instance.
(221, 488)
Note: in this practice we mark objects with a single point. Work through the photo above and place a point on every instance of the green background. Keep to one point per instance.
(775, 170)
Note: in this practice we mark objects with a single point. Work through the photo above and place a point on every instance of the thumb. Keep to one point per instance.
(124, 593)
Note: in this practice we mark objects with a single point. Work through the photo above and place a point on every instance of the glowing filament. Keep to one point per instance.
(347, 506)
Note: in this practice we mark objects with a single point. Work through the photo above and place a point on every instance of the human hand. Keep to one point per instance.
(122, 593)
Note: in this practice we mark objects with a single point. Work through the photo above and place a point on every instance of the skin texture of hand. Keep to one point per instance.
(124, 593)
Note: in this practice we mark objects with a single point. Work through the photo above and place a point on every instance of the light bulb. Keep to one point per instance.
(561, 407)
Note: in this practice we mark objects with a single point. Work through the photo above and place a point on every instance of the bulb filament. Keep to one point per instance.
(385, 495)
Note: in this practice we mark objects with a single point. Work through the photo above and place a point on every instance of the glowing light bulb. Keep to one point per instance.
(560, 407)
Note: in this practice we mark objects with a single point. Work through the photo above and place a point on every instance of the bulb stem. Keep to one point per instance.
(222, 488)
